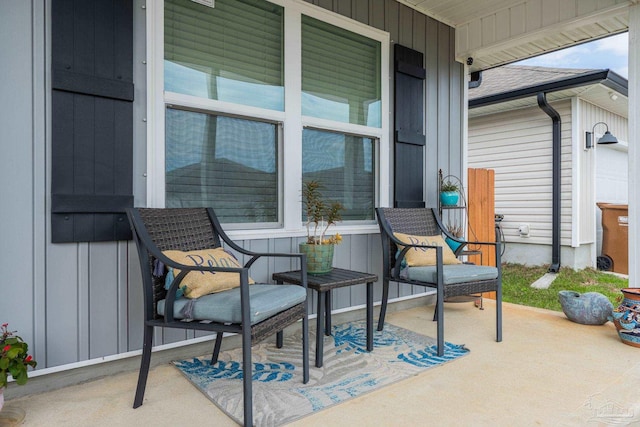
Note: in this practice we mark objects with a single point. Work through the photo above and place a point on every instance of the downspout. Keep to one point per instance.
(555, 244)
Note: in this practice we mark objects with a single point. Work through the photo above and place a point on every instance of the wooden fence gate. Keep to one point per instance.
(481, 220)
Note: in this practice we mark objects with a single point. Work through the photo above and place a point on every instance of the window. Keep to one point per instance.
(340, 74)
(232, 52)
(258, 95)
(226, 162)
(341, 83)
(344, 164)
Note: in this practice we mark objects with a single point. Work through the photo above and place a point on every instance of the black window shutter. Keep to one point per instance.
(92, 119)
(409, 128)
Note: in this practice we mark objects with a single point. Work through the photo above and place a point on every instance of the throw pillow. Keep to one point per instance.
(424, 256)
(198, 283)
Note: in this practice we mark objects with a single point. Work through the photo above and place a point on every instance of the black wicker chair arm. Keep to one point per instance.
(478, 243)
(257, 255)
(186, 269)
(401, 254)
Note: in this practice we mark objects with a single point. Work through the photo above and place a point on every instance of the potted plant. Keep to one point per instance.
(320, 215)
(449, 193)
(14, 359)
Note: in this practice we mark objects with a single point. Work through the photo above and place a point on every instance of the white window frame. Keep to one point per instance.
(289, 154)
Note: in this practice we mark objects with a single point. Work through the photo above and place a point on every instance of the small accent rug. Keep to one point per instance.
(348, 371)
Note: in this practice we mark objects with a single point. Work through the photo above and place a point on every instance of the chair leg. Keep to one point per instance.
(247, 375)
(435, 312)
(440, 319)
(305, 349)
(383, 306)
(499, 314)
(144, 366)
(216, 348)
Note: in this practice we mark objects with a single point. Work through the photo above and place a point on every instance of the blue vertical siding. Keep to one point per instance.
(80, 301)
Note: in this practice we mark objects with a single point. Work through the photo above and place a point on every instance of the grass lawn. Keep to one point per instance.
(517, 280)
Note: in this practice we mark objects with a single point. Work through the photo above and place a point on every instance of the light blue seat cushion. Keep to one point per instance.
(454, 273)
(266, 300)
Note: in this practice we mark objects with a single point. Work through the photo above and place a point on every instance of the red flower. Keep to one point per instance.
(4, 325)
(28, 359)
(6, 348)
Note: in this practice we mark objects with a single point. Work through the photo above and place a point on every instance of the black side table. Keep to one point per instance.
(323, 284)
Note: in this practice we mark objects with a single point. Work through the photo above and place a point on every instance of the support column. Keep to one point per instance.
(634, 140)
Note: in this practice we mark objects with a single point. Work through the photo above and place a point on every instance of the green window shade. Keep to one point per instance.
(340, 74)
(344, 165)
(232, 52)
(226, 163)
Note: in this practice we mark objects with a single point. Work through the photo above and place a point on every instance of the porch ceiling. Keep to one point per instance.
(498, 32)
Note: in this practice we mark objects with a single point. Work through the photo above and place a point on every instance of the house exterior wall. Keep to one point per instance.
(608, 164)
(517, 144)
(23, 178)
(76, 302)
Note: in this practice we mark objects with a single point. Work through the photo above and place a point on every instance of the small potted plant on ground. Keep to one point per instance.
(320, 215)
(14, 359)
(449, 193)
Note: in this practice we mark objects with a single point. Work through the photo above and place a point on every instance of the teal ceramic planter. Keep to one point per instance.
(449, 198)
(319, 258)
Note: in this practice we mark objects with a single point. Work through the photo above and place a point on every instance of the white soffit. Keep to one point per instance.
(498, 32)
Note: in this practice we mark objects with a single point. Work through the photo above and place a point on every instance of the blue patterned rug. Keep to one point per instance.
(279, 397)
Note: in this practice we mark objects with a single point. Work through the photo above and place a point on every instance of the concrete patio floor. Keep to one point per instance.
(547, 371)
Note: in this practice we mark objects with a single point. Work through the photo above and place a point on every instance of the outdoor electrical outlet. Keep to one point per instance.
(523, 230)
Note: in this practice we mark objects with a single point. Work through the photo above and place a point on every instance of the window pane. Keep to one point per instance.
(344, 165)
(232, 52)
(340, 74)
(222, 162)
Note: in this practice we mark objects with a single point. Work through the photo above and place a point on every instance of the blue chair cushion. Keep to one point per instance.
(224, 307)
(456, 273)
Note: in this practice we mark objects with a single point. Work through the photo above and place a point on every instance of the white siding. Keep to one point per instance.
(518, 146)
(606, 165)
(591, 114)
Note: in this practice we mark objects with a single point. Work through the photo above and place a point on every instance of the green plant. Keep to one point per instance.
(321, 214)
(448, 186)
(14, 357)
(455, 230)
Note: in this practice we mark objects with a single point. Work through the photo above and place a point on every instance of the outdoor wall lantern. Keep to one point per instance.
(607, 138)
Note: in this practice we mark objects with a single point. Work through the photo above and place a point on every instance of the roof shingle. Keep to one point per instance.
(513, 77)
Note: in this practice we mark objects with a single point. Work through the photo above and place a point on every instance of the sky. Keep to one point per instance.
(610, 52)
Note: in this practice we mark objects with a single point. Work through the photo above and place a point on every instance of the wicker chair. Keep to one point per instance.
(448, 280)
(239, 310)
